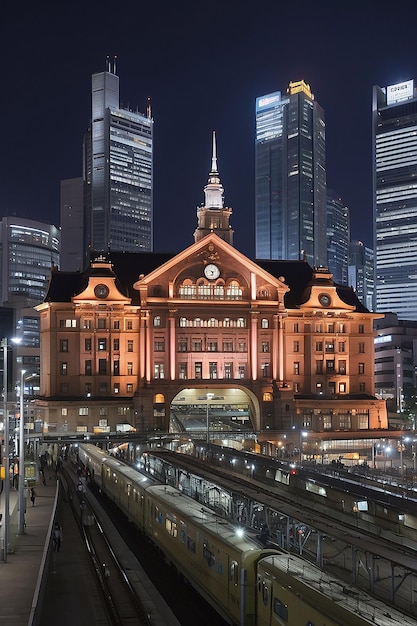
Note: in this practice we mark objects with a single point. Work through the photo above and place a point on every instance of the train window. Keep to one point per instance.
(265, 594)
(220, 567)
(234, 573)
(209, 557)
(280, 609)
(190, 544)
(171, 527)
(182, 536)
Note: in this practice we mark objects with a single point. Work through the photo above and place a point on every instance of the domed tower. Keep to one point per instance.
(213, 216)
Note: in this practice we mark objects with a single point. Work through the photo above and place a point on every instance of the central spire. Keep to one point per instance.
(213, 216)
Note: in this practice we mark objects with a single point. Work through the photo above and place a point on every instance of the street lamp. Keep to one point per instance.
(21, 527)
(209, 397)
(6, 523)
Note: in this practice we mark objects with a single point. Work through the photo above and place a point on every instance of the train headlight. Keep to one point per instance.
(240, 532)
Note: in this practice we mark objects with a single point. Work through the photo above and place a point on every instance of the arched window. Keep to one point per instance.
(187, 290)
(226, 322)
(267, 397)
(159, 398)
(157, 320)
(233, 291)
(183, 322)
(213, 322)
(241, 322)
(265, 323)
(197, 321)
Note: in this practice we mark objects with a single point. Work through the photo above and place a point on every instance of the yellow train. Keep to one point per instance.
(247, 584)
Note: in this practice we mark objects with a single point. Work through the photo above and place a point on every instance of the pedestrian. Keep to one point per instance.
(56, 537)
(32, 496)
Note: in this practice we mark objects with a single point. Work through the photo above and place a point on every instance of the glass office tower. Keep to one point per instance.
(118, 170)
(290, 176)
(394, 114)
(338, 235)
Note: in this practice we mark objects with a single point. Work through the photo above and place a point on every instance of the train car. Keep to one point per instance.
(291, 591)
(246, 584)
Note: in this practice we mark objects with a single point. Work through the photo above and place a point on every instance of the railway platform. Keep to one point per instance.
(39, 586)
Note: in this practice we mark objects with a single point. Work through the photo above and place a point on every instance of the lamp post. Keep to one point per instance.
(6, 522)
(21, 526)
(209, 396)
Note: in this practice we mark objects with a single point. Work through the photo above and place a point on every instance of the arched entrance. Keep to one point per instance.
(213, 410)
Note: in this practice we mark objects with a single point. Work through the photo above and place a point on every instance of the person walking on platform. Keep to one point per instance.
(56, 537)
(32, 496)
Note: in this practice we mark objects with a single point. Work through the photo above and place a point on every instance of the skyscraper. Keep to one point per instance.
(361, 272)
(338, 228)
(394, 114)
(118, 172)
(290, 176)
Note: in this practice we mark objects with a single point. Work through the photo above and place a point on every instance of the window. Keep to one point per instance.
(265, 370)
(241, 371)
(330, 328)
(228, 370)
(129, 324)
(280, 609)
(319, 346)
(227, 346)
(102, 344)
(183, 322)
(342, 345)
(83, 410)
(319, 327)
(63, 368)
(129, 388)
(361, 347)
(329, 346)
(296, 346)
(130, 368)
(159, 345)
(362, 387)
(159, 371)
(196, 345)
(130, 345)
(233, 291)
(88, 324)
(116, 345)
(103, 411)
(241, 322)
(319, 367)
(296, 369)
(68, 323)
(241, 346)
(116, 367)
(330, 366)
(212, 346)
(296, 327)
(361, 329)
(213, 369)
(342, 328)
(319, 387)
(64, 411)
(102, 366)
(198, 370)
(87, 367)
(87, 345)
(157, 321)
(63, 345)
(264, 323)
(116, 388)
(342, 367)
(361, 368)
(265, 346)
(182, 345)
(342, 387)
(101, 323)
(182, 371)
(116, 324)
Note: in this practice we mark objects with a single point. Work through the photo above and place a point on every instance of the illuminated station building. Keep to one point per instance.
(206, 338)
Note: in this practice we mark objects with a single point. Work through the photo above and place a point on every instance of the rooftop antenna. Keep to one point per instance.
(148, 109)
(114, 64)
(107, 63)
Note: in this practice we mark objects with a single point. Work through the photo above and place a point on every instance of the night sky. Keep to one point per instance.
(202, 64)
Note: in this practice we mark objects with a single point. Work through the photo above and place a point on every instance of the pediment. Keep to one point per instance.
(101, 286)
(211, 260)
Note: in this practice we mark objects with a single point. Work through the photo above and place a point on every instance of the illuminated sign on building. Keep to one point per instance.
(383, 339)
(269, 100)
(401, 91)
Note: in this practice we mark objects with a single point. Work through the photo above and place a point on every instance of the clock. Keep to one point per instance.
(325, 299)
(211, 271)
(101, 291)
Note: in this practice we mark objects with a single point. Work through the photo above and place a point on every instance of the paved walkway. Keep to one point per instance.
(19, 574)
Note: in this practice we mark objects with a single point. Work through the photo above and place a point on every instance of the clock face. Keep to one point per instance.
(324, 299)
(211, 271)
(101, 291)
